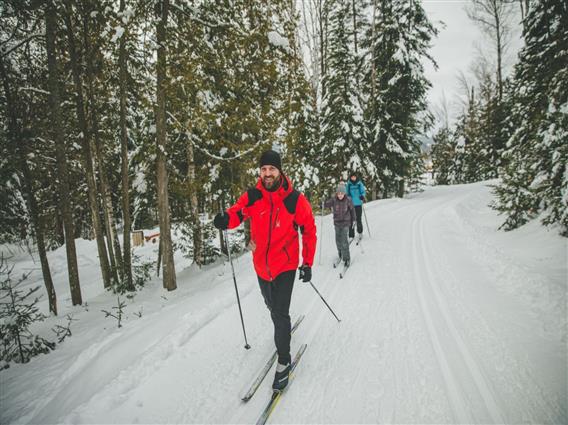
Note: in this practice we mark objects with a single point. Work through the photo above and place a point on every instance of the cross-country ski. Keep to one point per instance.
(267, 366)
(344, 269)
(277, 395)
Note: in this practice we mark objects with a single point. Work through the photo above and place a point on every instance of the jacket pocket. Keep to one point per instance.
(287, 255)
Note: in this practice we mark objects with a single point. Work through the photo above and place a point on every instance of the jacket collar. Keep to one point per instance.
(284, 190)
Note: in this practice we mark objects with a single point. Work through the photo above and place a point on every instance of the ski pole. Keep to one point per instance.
(247, 346)
(366, 221)
(325, 302)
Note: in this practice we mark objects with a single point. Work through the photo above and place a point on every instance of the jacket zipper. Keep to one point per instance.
(269, 235)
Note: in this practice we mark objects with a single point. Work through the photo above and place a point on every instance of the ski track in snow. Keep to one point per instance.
(439, 324)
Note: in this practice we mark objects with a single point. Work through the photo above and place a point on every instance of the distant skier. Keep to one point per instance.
(343, 218)
(277, 213)
(356, 191)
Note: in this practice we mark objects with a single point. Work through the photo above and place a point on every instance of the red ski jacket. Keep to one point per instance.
(275, 219)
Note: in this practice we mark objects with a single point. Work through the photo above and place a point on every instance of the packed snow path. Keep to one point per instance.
(444, 320)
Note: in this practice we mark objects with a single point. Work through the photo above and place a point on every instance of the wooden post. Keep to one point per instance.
(138, 237)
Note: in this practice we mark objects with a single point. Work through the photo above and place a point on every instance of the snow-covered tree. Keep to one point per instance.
(442, 154)
(397, 41)
(18, 312)
(341, 111)
(535, 178)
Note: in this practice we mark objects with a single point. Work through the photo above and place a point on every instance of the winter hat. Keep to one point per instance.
(341, 188)
(271, 157)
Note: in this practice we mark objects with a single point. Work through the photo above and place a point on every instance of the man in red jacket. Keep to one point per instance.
(277, 213)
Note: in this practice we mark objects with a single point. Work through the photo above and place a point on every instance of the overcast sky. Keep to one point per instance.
(454, 50)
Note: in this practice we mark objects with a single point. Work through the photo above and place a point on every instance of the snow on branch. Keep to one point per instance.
(34, 89)
(5, 52)
(219, 24)
(191, 138)
(277, 40)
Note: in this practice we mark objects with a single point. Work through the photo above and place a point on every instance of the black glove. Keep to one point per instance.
(221, 221)
(352, 232)
(362, 198)
(305, 273)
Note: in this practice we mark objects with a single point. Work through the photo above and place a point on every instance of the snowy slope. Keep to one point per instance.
(444, 320)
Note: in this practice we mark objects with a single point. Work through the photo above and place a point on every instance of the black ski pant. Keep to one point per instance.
(277, 295)
(358, 213)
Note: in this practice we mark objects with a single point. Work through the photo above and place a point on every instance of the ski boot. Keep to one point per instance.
(281, 377)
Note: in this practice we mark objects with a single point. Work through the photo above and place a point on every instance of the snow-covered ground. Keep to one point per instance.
(444, 320)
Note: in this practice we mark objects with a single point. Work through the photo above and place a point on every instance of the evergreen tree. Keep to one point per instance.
(298, 127)
(493, 134)
(442, 156)
(18, 312)
(535, 178)
(398, 41)
(341, 109)
(468, 152)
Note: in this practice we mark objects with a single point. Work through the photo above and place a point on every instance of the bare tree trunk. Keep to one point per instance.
(322, 18)
(37, 224)
(169, 275)
(373, 66)
(159, 264)
(325, 39)
(499, 46)
(400, 189)
(354, 26)
(86, 148)
(493, 17)
(196, 223)
(110, 226)
(19, 143)
(62, 172)
(123, 76)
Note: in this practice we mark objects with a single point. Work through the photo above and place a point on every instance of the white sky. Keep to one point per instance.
(454, 50)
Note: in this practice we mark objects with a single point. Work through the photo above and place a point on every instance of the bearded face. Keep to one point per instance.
(269, 175)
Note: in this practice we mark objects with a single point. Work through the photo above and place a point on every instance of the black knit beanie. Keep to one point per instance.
(271, 158)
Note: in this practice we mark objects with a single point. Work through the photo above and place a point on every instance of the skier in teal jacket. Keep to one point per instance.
(356, 191)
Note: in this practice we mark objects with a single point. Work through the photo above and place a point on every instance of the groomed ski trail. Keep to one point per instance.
(439, 324)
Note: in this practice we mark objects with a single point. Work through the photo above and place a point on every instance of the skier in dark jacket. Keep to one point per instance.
(277, 214)
(356, 191)
(343, 218)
